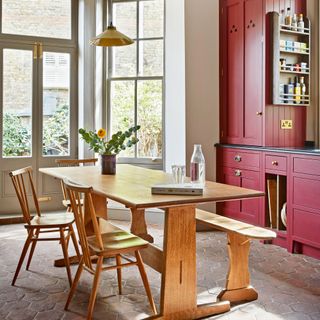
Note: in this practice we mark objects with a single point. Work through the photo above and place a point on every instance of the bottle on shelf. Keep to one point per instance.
(294, 22)
(300, 23)
(288, 18)
(303, 90)
(197, 166)
(289, 91)
(297, 91)
(282, 17)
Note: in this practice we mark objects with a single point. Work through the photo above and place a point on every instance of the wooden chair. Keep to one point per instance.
(113, 244)
(72, 163)
(40, 224)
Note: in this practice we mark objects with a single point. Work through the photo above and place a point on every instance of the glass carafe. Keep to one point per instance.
(197, 166)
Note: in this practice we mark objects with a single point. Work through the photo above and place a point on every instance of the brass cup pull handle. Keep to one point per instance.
(237, 173)
(237, 158)
(274, 163)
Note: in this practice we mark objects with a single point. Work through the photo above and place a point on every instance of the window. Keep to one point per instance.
(135, 77)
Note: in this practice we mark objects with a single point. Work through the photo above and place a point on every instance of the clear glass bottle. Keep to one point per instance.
(303, 89)
(294, 22)
(282, 17)
(300, 23)
(197, 166)
(287, 20)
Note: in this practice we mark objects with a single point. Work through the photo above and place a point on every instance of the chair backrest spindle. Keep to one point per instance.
(75, 193)
(19, 185)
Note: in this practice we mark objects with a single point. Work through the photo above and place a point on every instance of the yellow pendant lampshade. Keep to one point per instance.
(110, 38)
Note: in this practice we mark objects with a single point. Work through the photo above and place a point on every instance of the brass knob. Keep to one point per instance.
(237, 158)
(237, 173)
(274, 163)
(259, 113)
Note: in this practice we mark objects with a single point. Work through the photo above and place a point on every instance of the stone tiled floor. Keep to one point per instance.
(288, 285)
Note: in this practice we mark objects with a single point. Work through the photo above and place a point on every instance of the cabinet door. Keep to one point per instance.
(245, 210)
(230, 208)
(253, 72)
(250, 209)
(234, 72)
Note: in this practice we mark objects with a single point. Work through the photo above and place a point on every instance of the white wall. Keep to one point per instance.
(202, 79)
(175, 129)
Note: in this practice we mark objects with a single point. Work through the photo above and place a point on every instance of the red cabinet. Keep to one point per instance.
(241, 168)
(305, 205)
(242, 64)
(297, 178)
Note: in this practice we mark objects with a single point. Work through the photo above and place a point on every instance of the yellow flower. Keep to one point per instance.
(101, 133)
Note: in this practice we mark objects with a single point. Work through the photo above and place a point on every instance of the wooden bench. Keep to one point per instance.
(238, 288)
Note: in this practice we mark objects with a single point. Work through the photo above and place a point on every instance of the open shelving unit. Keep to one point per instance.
(294, 54)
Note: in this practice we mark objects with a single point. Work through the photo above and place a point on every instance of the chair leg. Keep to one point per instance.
(23, 254)
(145, 281)
(74, 284)
(65, 255)
(95, 287)
(74, 240)
(33, 246)
(119, 274)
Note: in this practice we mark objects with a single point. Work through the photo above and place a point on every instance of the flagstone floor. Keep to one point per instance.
(288, 285)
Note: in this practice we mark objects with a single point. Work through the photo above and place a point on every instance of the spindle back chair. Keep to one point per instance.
(53, 223)
(110, 244)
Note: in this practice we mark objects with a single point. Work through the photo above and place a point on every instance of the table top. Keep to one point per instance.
(131, 186)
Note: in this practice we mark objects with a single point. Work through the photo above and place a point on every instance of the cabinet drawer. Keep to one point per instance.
(307, 166)
(277, 163)
(306, 226)
(241, 159)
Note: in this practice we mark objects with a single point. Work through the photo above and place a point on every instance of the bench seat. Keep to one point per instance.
(238, 288)
(231, 225)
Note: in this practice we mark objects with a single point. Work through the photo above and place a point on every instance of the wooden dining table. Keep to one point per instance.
(176, 262)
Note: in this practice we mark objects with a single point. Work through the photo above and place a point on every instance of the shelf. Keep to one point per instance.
(295, 32)
(292, 104)
(295, 52)
(294, 72)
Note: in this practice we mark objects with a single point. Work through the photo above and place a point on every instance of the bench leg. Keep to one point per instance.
(238, 288)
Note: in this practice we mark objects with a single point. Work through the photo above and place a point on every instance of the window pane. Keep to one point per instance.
(125, 18)
(17, 102)
(122, 109)
(125, 61)
(42, 18)
(150, 118)
(151, 19)
(56, 104)
(151, 58)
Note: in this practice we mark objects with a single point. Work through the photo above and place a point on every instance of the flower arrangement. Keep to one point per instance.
(118, 142)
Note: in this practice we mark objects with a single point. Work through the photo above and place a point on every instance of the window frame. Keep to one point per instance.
(155, 163)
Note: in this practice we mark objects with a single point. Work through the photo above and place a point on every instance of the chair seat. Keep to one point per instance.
(67, 203)
(52, 220)
(118, 241)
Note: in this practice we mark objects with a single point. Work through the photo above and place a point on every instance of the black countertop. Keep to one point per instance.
(301, 150)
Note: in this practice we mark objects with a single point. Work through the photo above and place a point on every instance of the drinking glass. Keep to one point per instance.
(178, 173)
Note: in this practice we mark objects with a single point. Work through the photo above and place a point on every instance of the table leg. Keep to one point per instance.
(238, 288)
(138, 224)
(178, 282)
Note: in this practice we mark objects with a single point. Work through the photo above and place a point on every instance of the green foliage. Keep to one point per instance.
(17, 134)
(118, 142)
(16, 137)
(149, 113)
(56, 132)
